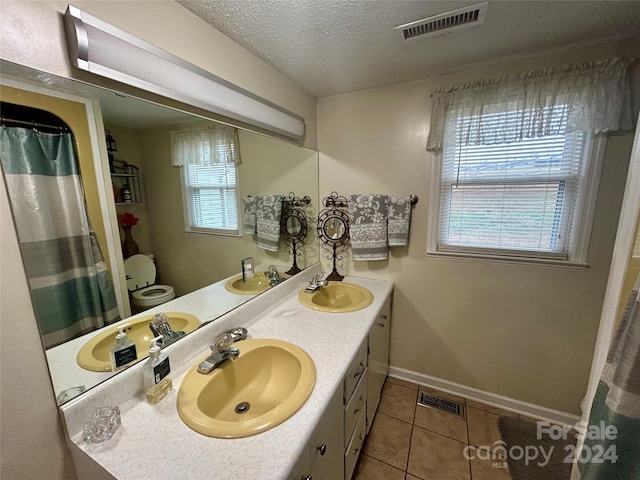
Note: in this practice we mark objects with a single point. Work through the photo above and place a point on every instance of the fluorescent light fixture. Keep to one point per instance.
(101, 48)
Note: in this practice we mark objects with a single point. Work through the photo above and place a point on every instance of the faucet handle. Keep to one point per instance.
(238, 333)
(222, 342)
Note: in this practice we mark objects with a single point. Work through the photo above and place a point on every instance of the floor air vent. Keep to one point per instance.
(443, 23)
(433, 401)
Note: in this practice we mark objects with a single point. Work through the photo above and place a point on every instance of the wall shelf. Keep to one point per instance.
(122, 174)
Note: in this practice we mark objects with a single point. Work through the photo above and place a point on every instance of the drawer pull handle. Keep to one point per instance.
(384, 317)
(361, 400)
(306, 477)
(322, 448)
(360, 372)
(381, 324)
(356, 450)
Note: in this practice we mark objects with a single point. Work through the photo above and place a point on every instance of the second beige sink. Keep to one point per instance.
(95, 355)
(258, 284)
(337, 297)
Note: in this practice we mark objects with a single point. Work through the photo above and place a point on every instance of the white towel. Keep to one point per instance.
(368, 226)
(399, 220)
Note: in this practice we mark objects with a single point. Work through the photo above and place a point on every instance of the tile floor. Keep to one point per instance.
(409, 442)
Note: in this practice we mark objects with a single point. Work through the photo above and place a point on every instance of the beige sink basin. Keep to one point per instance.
(258, 284)
(275, 378)
(337, 297)
(95, 355)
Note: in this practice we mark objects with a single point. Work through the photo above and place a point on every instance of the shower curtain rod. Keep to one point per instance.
(33, 124)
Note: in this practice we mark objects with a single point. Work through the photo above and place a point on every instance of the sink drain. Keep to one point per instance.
(243, 407)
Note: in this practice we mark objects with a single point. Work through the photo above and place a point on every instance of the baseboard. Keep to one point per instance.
(528, 409)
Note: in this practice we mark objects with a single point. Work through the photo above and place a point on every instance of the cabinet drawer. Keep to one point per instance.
(355, 445)
(356, 371)
(356, 405)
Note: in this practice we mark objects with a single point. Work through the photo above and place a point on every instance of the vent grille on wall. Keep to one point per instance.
(443, 23)
(433, 401)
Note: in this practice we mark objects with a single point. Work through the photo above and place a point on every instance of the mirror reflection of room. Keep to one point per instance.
(179, 226)
(189, 222)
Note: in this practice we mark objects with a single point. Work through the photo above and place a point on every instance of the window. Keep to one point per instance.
(209, 157)
(531, 198)
(212, 198)
(518, 160)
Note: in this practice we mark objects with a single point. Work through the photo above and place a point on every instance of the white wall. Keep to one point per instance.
(520, 331)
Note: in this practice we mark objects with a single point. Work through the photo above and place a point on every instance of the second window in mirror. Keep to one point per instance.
(208, 158)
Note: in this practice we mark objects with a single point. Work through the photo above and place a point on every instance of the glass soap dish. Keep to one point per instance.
(103, 425)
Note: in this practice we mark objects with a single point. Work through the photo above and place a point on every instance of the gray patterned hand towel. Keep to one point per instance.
(268, 216)
(250, 206)
(399, 219)
(368, 226)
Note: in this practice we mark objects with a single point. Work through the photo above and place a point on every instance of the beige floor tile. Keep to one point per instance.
(411, 477)
(434, 457)
(483, 428)
(485, 466)
(404, 383)
(371, 469)
(389, 441)
(491, 409)
(440, 422)
(398, 402)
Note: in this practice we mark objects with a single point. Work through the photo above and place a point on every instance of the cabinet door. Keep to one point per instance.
(326, 448)
(378, 359)
(301, 470)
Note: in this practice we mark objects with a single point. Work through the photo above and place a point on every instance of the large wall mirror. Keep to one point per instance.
(139, 152)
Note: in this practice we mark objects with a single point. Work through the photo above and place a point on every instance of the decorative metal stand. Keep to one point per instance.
(333, 230)
(293, 226)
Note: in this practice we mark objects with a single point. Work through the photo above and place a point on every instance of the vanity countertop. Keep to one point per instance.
(154, 443)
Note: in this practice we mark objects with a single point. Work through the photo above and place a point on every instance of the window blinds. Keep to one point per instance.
(214, 198)
(517, 198)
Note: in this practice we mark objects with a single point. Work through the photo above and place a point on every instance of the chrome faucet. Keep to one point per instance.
(221, 350)
(160, 327)
(315, 283)
(273, 276)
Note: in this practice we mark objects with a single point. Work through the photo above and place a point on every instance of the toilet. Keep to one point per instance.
(140, 273)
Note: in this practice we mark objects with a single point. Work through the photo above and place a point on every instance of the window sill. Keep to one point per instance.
(513, 260)
(219, 233)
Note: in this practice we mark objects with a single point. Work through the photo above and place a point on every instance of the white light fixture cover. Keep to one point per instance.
(101, 48)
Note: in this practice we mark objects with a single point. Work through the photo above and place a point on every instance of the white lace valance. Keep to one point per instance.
(591, 97)
(205, 146)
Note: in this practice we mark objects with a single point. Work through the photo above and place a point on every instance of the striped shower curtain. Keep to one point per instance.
(611, 449)
(71, 288)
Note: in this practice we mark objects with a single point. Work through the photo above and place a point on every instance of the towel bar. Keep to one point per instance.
(334, 200)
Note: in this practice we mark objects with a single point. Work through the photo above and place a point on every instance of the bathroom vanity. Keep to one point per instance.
(322, 440)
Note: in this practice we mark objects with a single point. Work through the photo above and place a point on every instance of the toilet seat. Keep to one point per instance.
(141, 274)
(153, 295)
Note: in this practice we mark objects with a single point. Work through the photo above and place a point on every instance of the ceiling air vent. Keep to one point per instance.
(443, 23)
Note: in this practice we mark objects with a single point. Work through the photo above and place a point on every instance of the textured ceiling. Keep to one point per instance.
(336, 46)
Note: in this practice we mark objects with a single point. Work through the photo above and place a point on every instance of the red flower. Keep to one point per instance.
(127, 219)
